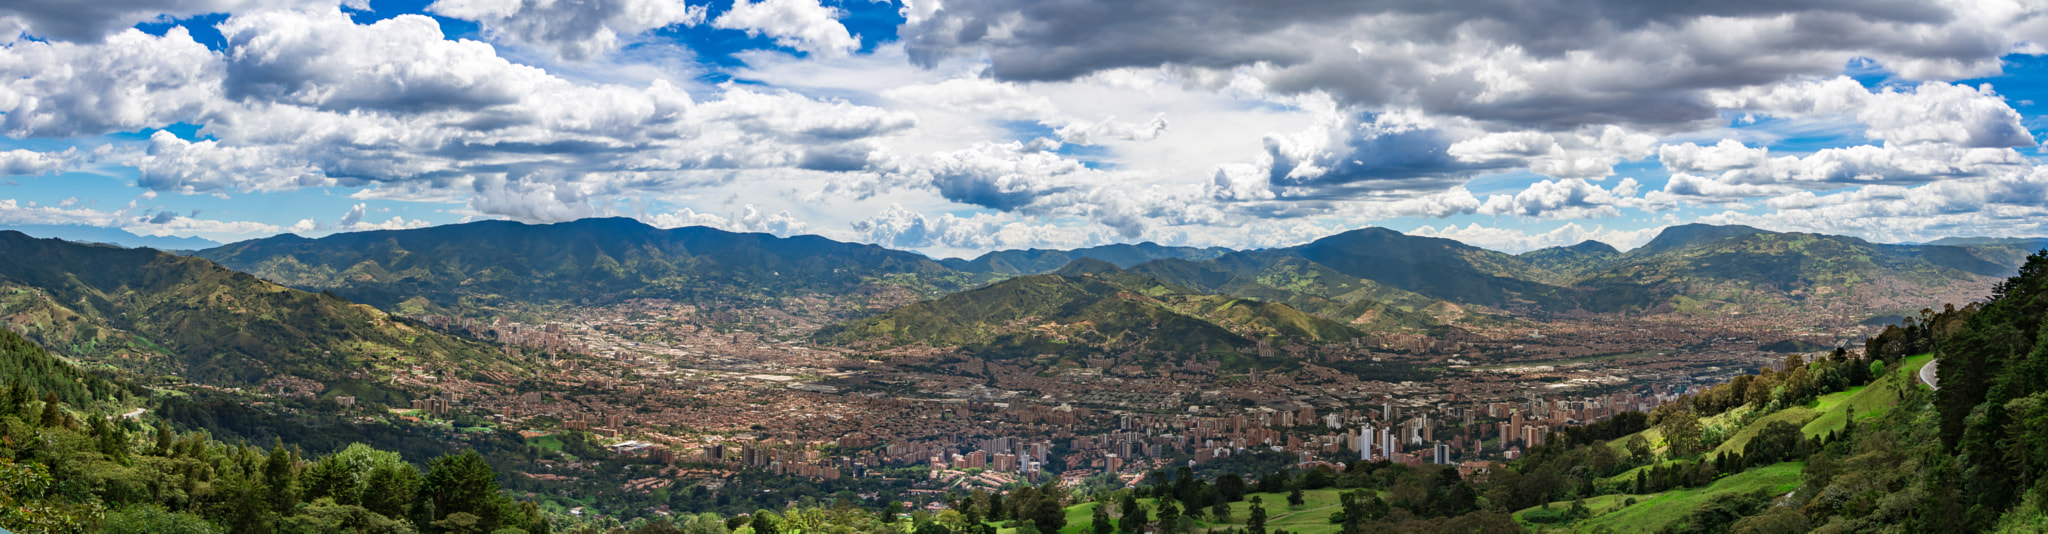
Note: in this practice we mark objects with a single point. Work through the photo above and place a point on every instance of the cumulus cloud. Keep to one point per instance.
(1929, 113)
(800, 24)
(307, 98)
(1516, 240)
(1549, 64)
(1729, 170)
(131, 81)
(20, 162)
(572, 29)
(1089, 133)
(1002, 176)
(91, 21)
(1572, 198)
(750, 219)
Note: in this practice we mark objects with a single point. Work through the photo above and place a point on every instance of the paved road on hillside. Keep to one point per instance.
(1927, 375)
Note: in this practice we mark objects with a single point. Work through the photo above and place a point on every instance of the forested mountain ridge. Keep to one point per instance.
(1717, 269)
(1038, 261)
(158, 313)
(498, 263)
(1090, 307)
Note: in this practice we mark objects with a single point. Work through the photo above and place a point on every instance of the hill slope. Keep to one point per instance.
(497, 263)
(1717, 269)
(1434, 267)
(1037, 261)
(1089, 307)
(151, 311)
(1569, 261)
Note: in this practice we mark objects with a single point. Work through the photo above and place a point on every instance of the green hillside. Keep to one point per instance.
(1711, 270)
(154, 312)
(1303, 285)
(1655, 512)
(1568, 262)
(1090, 307)
(1433, 267)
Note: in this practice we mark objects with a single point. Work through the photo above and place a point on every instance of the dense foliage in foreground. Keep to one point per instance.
(68, 463)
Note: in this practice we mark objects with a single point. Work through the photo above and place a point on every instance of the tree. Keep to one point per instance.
(1047, 512)
(463, 483)
(1681, 428)
(390, 490)
(891, 508)
(1134, 515)
(1274, 482)
(150, 519)
(164, 438)
(280, 477)
(1169, 517)
(763, 523)
(1294, 497)
(1318, 478)
(1358, 508)
(1255, 522)
(1220, 511)
(1639, 451)
(1099, 523)
(331, 479)
(461, 523)
(1230, 487)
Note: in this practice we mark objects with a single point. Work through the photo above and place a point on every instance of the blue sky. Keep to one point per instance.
(964, 126)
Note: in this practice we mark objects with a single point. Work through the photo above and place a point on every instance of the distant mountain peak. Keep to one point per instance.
(79, 233)
(1592, 246)
(1088, 266)
(1686, 235)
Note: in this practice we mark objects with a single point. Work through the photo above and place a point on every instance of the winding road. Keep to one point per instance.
(1927, 374)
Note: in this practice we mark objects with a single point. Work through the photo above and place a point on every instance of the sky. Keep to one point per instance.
(953, 127)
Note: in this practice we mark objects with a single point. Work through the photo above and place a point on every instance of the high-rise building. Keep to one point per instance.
(1443, 454)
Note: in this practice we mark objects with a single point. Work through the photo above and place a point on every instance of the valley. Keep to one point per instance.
(660, 388)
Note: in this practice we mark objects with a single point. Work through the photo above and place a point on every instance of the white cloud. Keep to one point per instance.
(20, 162)
(1930, 113)
(572, 29)
(1572, 198)
(131, 81)
(800, 24)
(1517, 240)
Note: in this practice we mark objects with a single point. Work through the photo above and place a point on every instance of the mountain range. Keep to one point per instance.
(1091, 307)
(162, 314)
(112, 236)
(199, 317)
(496, 264)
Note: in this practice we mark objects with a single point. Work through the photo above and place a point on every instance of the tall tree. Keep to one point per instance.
(463, 483)
(1099, 522)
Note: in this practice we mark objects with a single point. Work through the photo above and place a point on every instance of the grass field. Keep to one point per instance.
(1866, 401)
(1797, 415)
(1654, 511)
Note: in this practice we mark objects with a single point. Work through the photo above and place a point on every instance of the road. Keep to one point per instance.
(1927, 374)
